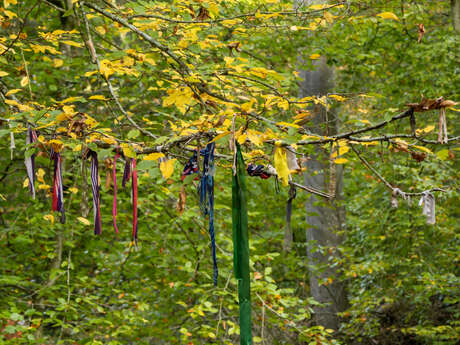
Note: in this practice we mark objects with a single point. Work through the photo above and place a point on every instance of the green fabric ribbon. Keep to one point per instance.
(241, 247)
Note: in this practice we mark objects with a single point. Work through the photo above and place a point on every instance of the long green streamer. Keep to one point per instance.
(241, 248)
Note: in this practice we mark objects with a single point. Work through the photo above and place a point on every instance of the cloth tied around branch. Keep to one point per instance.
(428, 202)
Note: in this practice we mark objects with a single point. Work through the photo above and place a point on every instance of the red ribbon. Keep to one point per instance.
(114, 209)
(134, 191)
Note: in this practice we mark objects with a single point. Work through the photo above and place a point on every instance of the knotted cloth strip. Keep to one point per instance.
(134, 191)
(206, 189)
(96, 192)
(241, 247)
(29, 161)
(58, 189)
(191, 167)
(115, 187)
(126, 172)
(429, 211)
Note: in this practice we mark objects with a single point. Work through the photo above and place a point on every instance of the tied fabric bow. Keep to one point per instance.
(58, 189)
(191, 167)
(206, 189)
(96, 192)
(428, 202)
(29, 162)
(257, 170)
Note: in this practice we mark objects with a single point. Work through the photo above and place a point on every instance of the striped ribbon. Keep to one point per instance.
(207, 199)
(31, 137)
(114, 208)
(95, 189)
(134, 191)
(58, 192)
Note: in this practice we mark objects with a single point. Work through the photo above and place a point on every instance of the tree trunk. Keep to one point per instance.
(455, 7)
(324, 217)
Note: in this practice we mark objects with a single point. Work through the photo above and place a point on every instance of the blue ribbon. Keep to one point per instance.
(206, 190)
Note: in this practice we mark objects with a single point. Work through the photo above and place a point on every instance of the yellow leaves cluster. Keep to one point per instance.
(37, 48)
(121, 67)
(180, 97)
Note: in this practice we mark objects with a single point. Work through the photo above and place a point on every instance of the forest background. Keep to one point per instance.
(158, 80)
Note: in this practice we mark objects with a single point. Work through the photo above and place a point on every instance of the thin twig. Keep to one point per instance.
(388, 184)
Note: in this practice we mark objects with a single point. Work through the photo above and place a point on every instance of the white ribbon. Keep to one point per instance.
(428, 202)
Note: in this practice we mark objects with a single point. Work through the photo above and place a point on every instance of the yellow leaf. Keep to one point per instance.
(10, 14)
(7, 3)
(72, 43)
(24, 81)
(287, 124)
(454, 109)
(77, 148)
(3, 74)
(12, 92)
(318, 7)
(242, 138)
(11, 102)
(128, 151)
(153, 156)
(69, 110)
(58, 62)
(337, 98)
(99, 97)
(221, 135)
(26, 183)
(254, 137)
(329, 17)
(340, 161)
(44, 186)
(49, 217)
(73, 190)
(423, 148)
(40, 174)
(315, 56)
(388, 15)
(84, 220)
(167, 168)
(281, 165)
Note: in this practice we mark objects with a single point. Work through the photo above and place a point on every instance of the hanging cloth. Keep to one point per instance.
(191, 167)
(96, 192)
(134, 193)
(126, 172)
(257, 170)
(206, 188)
(428, 202)
(31, 137)
(241, 247)
(288, 232)
(58, 191)
(115, 187)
